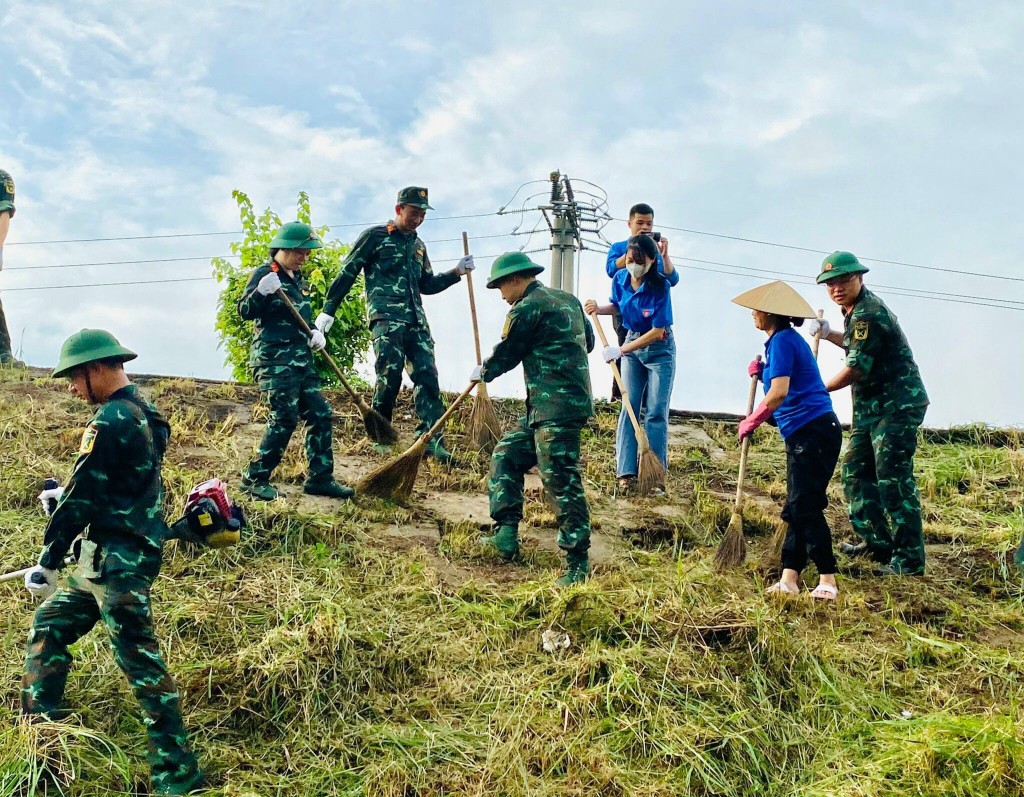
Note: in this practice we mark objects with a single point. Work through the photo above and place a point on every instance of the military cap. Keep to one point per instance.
(87, 346)
(776, 298)
(296, 235)
(6, 192)
(511, 263)
(414, 195)
(840, 264)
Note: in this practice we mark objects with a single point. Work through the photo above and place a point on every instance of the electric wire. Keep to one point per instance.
(206, 278)
(237, 232)
(825, 252)
(186, 259)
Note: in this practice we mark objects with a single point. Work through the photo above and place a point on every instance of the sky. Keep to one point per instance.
(890, 130)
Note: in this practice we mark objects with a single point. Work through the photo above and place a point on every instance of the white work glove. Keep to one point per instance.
(269, 284)
(317, 341)
(819, 326)
(611, 353)
(475, 376)
(324, 322)
(464, 265)
(41, 582)
(45, 496)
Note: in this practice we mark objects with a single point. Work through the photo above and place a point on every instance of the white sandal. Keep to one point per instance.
(825, 592)
(778, 588)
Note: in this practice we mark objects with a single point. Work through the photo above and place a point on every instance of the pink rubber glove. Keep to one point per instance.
(755, 419)
(756, 368)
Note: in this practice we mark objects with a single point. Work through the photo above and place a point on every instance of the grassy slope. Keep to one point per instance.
(372, 649)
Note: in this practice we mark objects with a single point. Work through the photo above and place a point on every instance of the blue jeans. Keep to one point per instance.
(647, 374)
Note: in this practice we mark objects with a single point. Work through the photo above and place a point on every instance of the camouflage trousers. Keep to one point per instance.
(121, 600)
(6, 355)
(398, 345)
(294, 393)
(881, 494)
(555, 449)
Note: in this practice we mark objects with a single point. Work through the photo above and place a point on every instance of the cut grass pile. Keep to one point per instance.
(319, 658)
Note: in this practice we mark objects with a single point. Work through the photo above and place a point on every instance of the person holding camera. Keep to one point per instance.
(640, 222)
(640, 294)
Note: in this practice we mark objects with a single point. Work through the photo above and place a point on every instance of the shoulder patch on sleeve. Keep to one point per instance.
(88, 440)
(507, 327)
(860, 330)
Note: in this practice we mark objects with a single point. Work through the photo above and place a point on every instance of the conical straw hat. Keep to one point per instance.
(777, 298)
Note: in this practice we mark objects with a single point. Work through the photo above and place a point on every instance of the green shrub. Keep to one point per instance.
(350, 336)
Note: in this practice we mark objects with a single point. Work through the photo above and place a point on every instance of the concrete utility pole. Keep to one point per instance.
(563, 273)
(568, 220)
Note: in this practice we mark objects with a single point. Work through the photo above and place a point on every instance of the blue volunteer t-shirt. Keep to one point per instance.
(618, 249)
(643, 308)
(787, 354)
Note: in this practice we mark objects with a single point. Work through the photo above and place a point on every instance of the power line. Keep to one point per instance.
(234, 232)
(825, 252)
(211, 257)
(873, 285)
(202, 279)
(107, 284)
(744, 272)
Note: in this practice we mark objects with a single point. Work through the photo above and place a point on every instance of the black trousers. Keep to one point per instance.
(811, 455)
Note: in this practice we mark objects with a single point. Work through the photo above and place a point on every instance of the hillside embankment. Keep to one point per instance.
(368, 648)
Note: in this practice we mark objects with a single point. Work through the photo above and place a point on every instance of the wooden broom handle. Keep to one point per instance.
(745, 447)
(447, 413)
(618, 380)
(817, 337)
(472, 300)
(305, 328)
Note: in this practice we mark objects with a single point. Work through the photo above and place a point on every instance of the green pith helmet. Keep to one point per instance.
(511, 263)
(840, 264)
(296, 235)
(88, 346)
(414, 195)
(6, 192)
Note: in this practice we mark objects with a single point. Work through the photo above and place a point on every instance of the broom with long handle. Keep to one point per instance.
(733, 548)
(377, 427)
(484, 427)
(395, 478)
(773, 554)
(650, 471)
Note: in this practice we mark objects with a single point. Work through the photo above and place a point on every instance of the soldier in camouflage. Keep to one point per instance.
(889, 404)
(547, 332)
(6, 214)
(282, 361)
(114, 504)
(397, 272)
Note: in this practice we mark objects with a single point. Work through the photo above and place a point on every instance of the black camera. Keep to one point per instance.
(654, 234)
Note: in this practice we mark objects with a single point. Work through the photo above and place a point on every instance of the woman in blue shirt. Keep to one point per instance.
(641, 294)
(796, 398)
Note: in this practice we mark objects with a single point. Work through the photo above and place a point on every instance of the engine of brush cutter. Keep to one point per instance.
(211, 518)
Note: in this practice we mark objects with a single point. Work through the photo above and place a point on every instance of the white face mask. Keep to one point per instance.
(636, 270)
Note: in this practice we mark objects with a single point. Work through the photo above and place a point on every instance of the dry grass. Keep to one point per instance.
(318, 658)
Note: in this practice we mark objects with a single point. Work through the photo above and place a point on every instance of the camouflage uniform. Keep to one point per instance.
(6, 206)
(283, 365)
(547, 332)
(397, 273)
(115, 501)
(889, 404)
